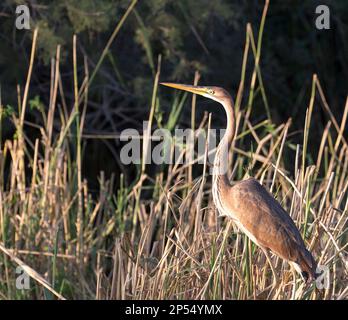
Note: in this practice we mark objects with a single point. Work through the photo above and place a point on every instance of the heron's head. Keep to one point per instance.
(215, 93)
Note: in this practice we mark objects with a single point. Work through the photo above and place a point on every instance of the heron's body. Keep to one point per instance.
(266, 223)
(252, 208)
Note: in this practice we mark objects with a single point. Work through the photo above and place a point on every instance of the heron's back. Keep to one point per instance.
(264, 220)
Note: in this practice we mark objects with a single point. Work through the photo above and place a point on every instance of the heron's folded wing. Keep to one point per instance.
(262, 216)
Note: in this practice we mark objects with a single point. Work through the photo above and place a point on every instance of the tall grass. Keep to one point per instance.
(171, 246)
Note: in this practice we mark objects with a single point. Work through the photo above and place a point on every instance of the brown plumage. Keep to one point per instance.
(253, 209)
(264, 220)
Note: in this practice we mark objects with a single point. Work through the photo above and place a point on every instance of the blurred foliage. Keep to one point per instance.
(190, 35)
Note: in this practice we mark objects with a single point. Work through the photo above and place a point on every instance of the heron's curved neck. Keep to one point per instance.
(230, 127)
(221, 156)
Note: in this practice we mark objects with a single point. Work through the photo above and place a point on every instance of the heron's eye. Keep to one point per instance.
(210, 91)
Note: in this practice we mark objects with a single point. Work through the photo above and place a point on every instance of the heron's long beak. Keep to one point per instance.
(202, 91)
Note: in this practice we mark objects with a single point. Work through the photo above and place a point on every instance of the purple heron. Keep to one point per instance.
(251, 207)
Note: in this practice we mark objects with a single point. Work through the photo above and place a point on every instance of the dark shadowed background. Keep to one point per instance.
(203, 35)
